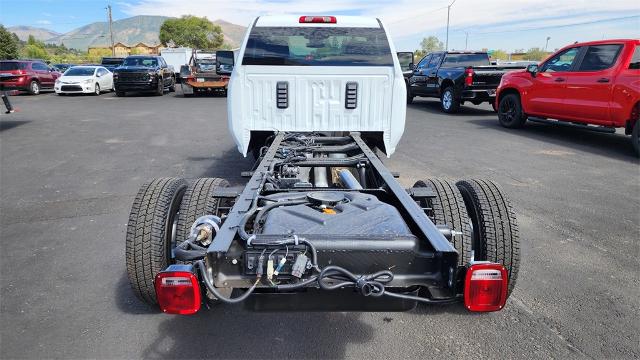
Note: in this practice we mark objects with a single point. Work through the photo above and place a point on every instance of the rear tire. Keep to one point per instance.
(172, 87)
(449, 209)
(198, 201)
(34, 87)
(149, 233)
(120, 93)
(495, 229)
(510, 114)
(448, 101)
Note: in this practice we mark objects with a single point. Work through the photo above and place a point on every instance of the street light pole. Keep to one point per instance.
(448, 12)
(113, 50)
(466, 39)
(547, 43)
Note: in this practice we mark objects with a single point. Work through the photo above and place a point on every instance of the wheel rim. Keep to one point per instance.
(508, 110)
(35, 88)
(97, 90)
(447, 98)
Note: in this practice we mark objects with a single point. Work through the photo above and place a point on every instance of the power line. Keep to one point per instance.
(560, 26)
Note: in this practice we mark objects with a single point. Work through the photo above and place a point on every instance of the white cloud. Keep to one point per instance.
(43, 22)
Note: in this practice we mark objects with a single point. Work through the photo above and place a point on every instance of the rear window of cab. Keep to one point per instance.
(317, 46)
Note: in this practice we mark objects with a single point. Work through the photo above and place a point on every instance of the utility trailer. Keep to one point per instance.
(322, 224)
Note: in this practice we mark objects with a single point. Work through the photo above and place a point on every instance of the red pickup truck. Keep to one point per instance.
(592, 83)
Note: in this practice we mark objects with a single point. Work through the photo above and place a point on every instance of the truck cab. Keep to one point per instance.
(317, 73)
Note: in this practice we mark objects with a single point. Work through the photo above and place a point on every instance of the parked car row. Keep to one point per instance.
(135, 73)
(593, 85)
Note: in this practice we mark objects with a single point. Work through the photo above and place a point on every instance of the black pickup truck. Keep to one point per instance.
(147, 73)
(455, 77)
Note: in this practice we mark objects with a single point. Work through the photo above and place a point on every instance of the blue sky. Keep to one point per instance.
(491, 24)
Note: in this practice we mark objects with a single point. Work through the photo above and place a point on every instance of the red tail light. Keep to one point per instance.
(178, 292)
(468, 79)
(318, 19)
(485, 287)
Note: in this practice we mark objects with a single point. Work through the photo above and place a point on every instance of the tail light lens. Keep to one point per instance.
(468, 79)
(178, 292)
(485, 287)
(318, 19)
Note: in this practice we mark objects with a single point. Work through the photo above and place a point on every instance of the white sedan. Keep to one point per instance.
(84, 80)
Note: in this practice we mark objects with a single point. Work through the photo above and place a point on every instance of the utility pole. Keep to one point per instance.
(113, 50)
(448, 11)
(466, 40)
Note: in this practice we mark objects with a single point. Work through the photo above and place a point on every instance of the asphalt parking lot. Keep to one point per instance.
(70, 167)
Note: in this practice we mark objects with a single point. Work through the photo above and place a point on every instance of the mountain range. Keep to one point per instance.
(129, 31)
(23, 32)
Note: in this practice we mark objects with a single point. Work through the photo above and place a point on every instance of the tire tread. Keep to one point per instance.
(449, 209)
(497, 237)
(146, 250)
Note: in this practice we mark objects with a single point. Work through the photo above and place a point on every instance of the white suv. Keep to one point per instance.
(317, 73)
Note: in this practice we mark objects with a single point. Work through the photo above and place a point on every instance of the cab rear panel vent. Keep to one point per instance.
(351, 95)
(282, 94)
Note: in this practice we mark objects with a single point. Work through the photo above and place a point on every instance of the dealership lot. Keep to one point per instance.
(70, 167)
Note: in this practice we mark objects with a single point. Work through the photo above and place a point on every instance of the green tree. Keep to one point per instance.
(33, 41)
(430, 44)
(499, 55)
(8, 44)
(536, 54)
(34, 49)
(34, 52)
(96, 55)
(191, 31)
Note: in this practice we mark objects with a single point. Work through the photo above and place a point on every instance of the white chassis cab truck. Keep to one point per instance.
(322, 224)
